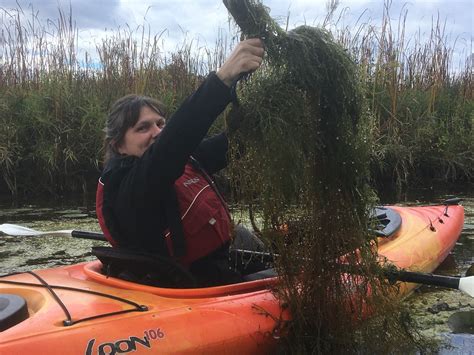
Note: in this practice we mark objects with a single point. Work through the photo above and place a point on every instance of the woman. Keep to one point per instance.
(155, 193)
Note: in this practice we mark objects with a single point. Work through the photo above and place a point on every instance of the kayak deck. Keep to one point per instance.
(425, 238)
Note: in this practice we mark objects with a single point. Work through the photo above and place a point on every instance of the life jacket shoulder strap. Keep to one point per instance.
(173, 217)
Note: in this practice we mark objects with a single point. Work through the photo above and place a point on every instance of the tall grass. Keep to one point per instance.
(53, 100)
(420, 102)
(53, 104)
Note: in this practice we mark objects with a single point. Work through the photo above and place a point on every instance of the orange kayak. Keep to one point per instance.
(77, 310)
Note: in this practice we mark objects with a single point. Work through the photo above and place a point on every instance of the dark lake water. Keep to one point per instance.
(28, 253)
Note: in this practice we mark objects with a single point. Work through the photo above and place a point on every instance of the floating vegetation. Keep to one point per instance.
(305, 169)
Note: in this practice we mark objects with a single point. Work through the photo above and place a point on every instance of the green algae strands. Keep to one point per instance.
(305, 168)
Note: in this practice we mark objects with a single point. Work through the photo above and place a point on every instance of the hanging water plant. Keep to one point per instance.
(305, 169)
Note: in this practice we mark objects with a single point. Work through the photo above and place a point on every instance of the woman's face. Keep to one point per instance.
(138, 138)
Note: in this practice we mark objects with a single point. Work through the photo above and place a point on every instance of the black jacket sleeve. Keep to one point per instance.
(212, 153)
(165, 160)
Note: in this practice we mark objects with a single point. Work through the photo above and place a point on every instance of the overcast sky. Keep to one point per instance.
(201, 19)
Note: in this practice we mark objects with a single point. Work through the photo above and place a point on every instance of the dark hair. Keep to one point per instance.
(124, 114)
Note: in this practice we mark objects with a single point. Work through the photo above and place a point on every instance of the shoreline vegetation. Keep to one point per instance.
(53, 99)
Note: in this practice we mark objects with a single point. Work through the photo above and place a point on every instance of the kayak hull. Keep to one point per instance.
(240, 318)
(242, 321)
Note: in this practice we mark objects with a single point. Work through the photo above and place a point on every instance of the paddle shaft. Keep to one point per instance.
(88, 235)
(425, 279)
(394, 275)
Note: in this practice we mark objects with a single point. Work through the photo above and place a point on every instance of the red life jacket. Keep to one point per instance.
(99, 205)
(204, 215)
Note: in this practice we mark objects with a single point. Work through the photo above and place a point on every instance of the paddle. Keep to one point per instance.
(20, 231)
(464, 284)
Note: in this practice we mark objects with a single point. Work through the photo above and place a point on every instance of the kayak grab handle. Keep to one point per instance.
(452, 201)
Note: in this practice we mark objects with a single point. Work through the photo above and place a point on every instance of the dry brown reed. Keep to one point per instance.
(413, 89)
(419, 101)
(53, 103)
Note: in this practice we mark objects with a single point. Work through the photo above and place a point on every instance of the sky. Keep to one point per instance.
(200, 20)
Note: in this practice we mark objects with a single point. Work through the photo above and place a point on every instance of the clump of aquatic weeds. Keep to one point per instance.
(305, 168)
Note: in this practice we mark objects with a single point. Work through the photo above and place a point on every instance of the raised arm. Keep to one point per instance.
(186, 129)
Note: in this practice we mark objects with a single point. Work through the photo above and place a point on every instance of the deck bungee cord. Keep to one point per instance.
(69, 321)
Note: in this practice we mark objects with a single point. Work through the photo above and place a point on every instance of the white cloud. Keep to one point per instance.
(200, 20)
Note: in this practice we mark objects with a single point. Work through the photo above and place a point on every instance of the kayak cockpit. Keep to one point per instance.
(93, 270)
(164, 276)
